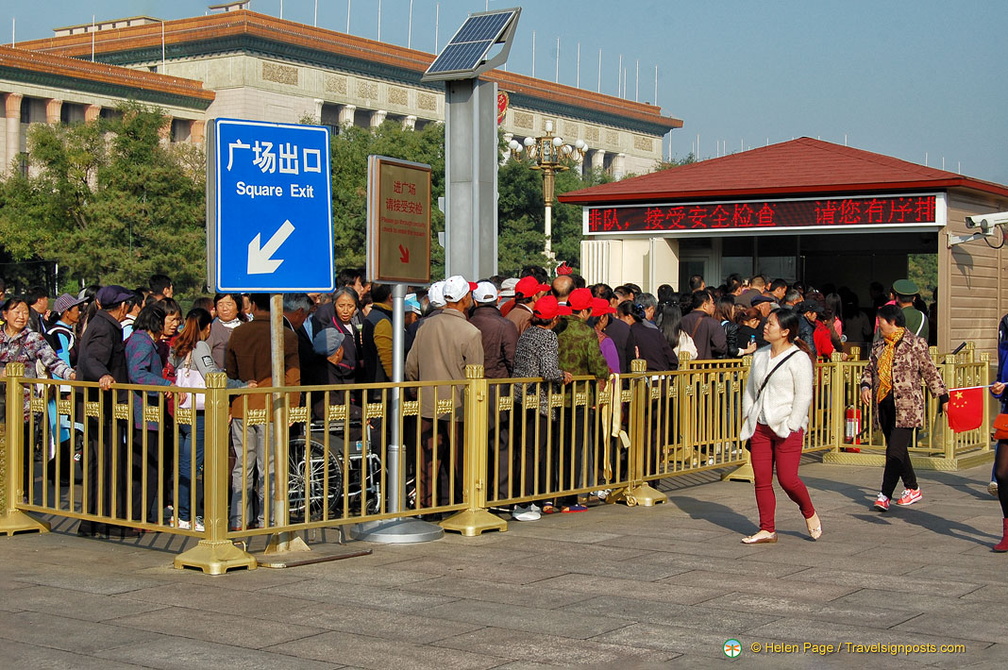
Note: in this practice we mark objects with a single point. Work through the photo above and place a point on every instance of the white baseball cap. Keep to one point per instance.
(435, 294)
(456, 287)
(485, 292)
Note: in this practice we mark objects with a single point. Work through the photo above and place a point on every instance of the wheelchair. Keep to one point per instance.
(346, 481)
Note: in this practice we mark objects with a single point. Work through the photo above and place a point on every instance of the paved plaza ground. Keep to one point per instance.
(618, 587)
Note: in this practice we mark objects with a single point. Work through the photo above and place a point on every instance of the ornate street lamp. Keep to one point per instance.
(549, 154)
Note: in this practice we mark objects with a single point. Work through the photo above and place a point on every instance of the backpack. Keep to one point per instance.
(52, 337)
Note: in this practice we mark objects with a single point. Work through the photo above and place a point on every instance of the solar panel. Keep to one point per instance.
(466, 51)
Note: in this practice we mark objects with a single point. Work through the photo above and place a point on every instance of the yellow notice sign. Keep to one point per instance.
(399, 221)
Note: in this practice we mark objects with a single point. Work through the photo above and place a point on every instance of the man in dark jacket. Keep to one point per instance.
(707, 333)
(102, 358)
(500, 337)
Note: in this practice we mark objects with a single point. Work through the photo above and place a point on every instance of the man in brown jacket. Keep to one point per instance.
(249, 358)
(443, 347)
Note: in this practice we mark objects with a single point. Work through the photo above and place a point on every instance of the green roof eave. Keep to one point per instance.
(253, 44)
(111, 90)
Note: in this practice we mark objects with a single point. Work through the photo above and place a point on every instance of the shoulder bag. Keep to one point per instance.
(766, 379)
(189, 377)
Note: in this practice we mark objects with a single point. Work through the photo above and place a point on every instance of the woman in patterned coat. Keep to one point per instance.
(898, 364)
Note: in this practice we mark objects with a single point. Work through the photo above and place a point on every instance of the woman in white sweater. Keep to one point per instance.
(775, 411)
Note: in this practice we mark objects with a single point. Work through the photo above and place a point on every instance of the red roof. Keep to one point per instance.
(798, 167)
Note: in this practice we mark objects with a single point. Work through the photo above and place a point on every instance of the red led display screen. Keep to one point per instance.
(836, 213)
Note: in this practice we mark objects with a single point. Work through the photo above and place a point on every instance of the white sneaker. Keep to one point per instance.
(186, 525)
(525, 514)
(992, 488)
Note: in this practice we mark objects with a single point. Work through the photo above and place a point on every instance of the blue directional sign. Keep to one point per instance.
(270, 205)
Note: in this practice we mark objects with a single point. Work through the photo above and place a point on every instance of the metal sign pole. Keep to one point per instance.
(398, 376)
(286, 541)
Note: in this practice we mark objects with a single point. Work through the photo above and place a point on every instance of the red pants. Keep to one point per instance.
(769, 449)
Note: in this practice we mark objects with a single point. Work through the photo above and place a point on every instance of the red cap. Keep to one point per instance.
(547, 308)
(564, 269)
(601, 306)
(579, 299)
(528, 287)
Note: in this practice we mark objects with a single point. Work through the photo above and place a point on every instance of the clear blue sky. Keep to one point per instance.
(915, 79)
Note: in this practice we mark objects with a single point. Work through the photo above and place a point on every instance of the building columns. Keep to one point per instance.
(346, 115)
(12, 110)
(409, 122)
(378, 118)
(598, 159)
(52, 111)
(197, 132)
(92, 113)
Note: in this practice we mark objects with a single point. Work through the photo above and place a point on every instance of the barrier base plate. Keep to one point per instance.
(16, 521)
(474, 522)
(216, 558)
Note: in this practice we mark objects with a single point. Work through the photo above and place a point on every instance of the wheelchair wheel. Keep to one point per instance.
(321, 490)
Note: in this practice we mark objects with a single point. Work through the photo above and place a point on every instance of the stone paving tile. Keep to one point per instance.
(705, 616)
(700, 645)
(20, 655)
(72, 577)
(491, 591)
(178, 653)
(75, 604)
(899, 583)
(561, 622)
(389, 575)
(561, 651)
(801, 590)
(782, 606)
(218, 627)
(345, 594)
(415, 628)
(202, 595)
(73, 635)
(908, 603)
(806, 630)
(508, 572)
(562, 551)
(373, 652)
(984, 622)
(753, 565)
(662, 590)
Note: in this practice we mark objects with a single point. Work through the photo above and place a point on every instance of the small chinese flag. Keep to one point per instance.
(965, 409)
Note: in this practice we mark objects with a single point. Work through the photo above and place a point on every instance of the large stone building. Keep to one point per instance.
(241, 64)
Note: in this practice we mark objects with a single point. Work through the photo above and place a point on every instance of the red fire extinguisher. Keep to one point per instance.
(852, 428)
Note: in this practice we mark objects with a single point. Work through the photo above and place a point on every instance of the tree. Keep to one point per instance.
(109, 202)
(350, 149)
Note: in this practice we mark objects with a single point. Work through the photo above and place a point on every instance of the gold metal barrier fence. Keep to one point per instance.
(129, 459)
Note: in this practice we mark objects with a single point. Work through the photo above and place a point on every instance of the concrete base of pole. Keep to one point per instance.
(406, 530)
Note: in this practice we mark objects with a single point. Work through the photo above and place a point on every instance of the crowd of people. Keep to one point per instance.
(523, 327)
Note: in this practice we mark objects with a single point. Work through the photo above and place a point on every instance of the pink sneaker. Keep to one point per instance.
(882, 503)
(909, 497)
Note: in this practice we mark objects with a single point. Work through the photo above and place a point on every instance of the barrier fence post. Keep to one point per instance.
(744, 472)
(639, 491)
(837, 407)
(13, 520)
(948, 373)
(216, 554)
(475, 519)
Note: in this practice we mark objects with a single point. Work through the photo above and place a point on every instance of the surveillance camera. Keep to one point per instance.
(986, 222)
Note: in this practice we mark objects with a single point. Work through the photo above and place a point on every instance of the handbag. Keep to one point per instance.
(1001, 427)
(189, 377)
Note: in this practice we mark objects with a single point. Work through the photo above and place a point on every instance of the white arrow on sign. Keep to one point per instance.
(259, 257)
